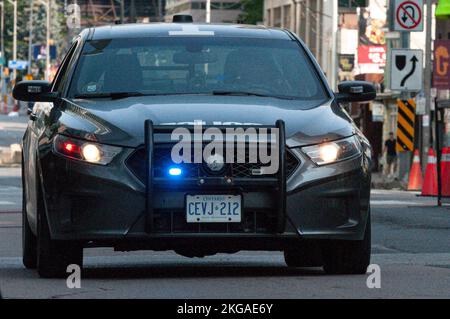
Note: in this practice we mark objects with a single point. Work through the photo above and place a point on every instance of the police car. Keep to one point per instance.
(107, 160)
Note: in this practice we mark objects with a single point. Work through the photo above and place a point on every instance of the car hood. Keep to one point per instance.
(121, 122)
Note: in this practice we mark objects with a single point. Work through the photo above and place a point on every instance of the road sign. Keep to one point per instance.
(18, 65)
(406, 70)
(405, 125)
(441, 69)
(408, 15)
(420, 104)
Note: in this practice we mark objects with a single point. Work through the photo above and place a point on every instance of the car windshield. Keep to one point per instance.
(196, 65)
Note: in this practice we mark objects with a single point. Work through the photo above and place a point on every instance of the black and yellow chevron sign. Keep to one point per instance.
(405, 125)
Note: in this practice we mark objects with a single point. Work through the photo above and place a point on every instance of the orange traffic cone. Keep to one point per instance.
(445, 171)
(430, 182)
(415, 174)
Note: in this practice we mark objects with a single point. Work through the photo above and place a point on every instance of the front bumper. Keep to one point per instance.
(106, 205)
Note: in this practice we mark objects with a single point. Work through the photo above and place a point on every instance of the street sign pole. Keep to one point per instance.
(427, 86)
(438, 155)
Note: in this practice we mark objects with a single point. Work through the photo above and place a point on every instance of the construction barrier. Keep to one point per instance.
(405, 125)
(415, 174)
(430, 181)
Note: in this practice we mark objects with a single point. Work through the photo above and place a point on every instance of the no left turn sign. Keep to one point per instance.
(408, 15)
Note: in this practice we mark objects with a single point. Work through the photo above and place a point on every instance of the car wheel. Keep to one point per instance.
(29, 246)
(54, 256)
(348, 257)
(304, 255)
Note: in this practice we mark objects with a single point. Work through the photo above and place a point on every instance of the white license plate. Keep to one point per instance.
(213, 208)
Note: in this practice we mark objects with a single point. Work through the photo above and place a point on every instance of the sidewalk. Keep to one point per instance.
(11, 133)
(381, 181)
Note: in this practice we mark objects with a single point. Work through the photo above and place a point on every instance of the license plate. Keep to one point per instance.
(213, 208)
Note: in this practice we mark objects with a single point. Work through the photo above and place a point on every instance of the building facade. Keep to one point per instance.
(224, 11)
(101, 12)
(312, 21)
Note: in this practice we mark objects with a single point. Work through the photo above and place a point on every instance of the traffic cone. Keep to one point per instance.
(430, 181)
(415, 174)
(445, 171)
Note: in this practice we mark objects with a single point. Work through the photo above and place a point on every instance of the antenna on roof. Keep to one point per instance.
(182, 18)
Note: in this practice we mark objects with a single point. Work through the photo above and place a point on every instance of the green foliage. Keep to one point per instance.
(252, 11)
(22, 33)
(58, 27)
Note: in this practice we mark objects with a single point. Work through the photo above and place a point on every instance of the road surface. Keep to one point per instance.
(411, 245)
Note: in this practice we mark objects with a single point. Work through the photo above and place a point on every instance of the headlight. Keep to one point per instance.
(330, 152)
(84, 150)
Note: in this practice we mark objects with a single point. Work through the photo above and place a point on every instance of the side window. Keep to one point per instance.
(60, 75)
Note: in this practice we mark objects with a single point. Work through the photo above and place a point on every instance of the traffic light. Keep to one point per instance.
(443, 9)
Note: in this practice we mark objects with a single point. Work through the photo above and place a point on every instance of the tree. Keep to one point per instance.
(22, 33)
(58, 27)
(252, 11)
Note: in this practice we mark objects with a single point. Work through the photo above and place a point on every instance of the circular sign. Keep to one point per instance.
(409, 15)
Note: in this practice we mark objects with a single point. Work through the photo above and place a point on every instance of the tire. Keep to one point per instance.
(305, 255)
(54, 256)
(348, 257)
(29, 244)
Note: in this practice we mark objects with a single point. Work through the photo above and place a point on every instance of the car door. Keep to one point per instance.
(36, 127)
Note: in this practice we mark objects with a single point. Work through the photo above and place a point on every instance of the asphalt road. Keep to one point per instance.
(411, 244)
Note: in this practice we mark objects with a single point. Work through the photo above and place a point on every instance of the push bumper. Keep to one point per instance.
(109, 205)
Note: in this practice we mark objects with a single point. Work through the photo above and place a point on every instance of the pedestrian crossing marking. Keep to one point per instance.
(405, 125)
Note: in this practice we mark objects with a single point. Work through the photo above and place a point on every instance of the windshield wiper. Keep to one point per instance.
(112, 95)
(244, 93)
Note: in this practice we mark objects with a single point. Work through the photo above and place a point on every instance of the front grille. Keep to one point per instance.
(162, 161)
(174, 221)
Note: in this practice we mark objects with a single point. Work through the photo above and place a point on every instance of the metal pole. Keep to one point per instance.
(30, 37)
(208, 11)
(2, 27)
(47, 58)
(15, 40)
(427, 84)
(14, 3)
(334, 35)
(438, 156)
(47, 74)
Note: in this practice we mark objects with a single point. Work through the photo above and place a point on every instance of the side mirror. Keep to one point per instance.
(355, 91)
(34, 91)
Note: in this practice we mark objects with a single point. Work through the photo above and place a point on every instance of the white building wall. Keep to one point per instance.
(311, 20)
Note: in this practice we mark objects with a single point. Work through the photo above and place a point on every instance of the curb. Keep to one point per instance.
(11, 155)
(389, 185)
